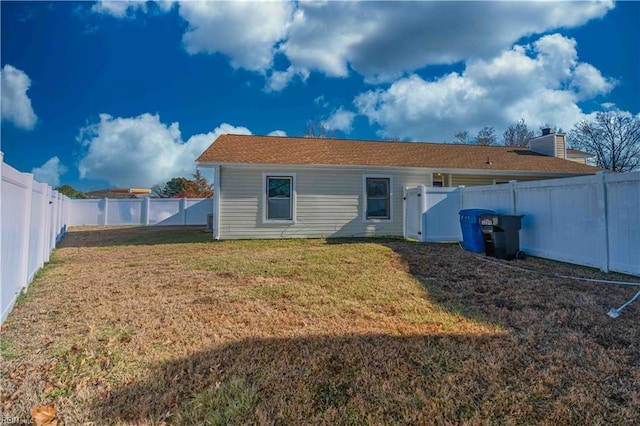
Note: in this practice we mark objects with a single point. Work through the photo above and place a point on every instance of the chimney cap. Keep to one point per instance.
(546, 131)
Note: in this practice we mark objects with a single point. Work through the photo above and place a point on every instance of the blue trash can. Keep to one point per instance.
(472, 237)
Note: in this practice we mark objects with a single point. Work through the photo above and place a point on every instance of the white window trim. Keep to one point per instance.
(364, 198)
(294, 197)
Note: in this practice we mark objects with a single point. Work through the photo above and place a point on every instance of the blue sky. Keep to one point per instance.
(128, 94)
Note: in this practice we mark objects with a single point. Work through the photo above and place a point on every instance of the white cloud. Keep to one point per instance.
(278, 80)
(541, 83)
(142, 151)
(589, 82)
(49, 172)
(278, 133)
(321, 101)
(119, 8)
(16, 105)
(244, 31)
(379, 40)
(341, 120)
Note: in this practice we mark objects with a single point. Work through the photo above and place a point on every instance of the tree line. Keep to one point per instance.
(613, 137)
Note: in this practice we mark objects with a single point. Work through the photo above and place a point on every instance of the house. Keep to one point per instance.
(578, 156)
(286, 187)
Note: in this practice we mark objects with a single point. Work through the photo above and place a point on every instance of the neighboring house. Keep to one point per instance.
(578, 156)
(284, 187)
(118, 193)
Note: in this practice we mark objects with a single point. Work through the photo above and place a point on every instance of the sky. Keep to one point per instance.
(128, 94)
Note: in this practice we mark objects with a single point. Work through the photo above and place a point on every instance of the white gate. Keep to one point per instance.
(414, 206)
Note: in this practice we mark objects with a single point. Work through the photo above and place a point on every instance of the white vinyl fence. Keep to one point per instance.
(590, 220)
(140, 211)
(33, 218)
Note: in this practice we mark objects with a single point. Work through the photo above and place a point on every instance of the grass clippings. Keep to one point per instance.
(161, 325)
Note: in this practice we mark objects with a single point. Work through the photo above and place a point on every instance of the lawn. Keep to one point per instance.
(157, 325)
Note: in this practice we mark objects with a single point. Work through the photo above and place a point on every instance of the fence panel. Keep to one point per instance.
(492, 197)
(124, 212)
(32, 218)
(440, 221)
(87, 212)
(165, 212)
(37, 240)
(623, 222)
(14, 222)
(197, 211)
(564, 220)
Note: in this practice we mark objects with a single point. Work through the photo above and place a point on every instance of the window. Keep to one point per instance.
(279, 198)
(378, 198)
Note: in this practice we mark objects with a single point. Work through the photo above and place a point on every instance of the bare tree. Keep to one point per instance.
(486, 136)
(517, 134)
(613, 137)
(318, 130)
(462, 137)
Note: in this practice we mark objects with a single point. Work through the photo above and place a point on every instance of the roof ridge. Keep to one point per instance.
(305, 138)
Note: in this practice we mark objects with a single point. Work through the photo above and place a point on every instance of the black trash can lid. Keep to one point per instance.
(475, 212)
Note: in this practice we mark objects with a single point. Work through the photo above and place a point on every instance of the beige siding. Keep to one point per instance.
(329, 203)
(580, 160)
(560, 146)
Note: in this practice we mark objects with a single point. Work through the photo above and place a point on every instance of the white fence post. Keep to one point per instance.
(601, 194)
(144, 214)
(105, 220)
(183, 211)
(512, 188)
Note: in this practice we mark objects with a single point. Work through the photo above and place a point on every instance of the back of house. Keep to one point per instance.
(286, 187)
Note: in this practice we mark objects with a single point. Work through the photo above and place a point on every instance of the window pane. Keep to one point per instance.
(377, 208)
(279, 203)
(279, 187)
(378, 198)
(279, 209)
(377, 187)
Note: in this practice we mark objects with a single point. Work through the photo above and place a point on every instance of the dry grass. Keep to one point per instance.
(160, 325)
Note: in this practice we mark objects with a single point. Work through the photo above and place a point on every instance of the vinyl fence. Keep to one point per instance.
(140, 211)
(590, 220)
(33, 218)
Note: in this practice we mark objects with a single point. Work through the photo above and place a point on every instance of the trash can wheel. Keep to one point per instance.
(520, 255)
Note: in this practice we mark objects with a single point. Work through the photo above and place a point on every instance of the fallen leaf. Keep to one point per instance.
(45, 415)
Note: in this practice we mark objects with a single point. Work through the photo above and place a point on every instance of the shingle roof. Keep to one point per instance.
(577, 152)
(251, 149)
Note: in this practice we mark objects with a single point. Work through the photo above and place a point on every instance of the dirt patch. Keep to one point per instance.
(151, 325)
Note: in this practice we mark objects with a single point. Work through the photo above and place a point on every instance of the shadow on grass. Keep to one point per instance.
(324, 379)
(376, 379)
(135, 236)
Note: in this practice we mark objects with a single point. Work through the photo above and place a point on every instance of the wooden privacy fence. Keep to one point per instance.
(589, 220)
(33, 218)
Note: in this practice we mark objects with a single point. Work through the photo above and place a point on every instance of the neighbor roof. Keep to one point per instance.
(251, 149)
(578, 153)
